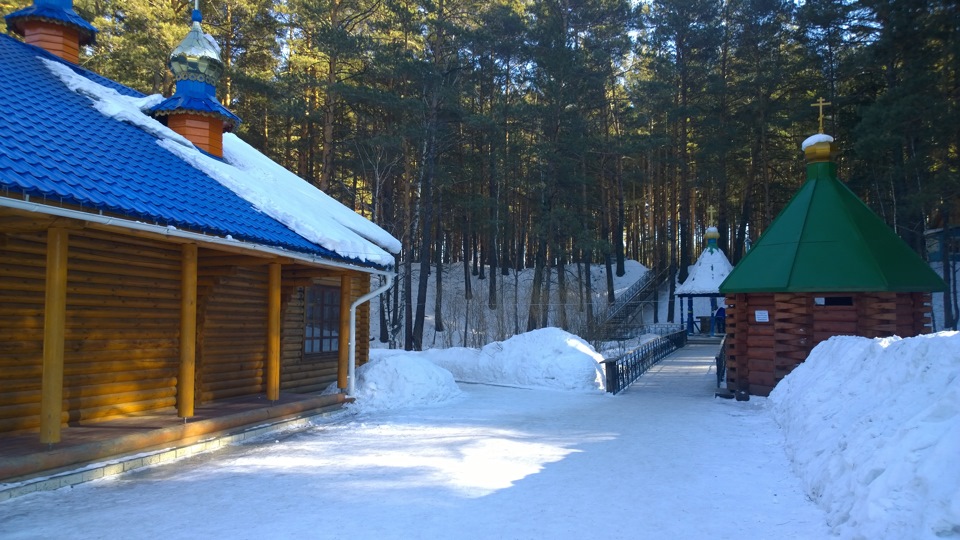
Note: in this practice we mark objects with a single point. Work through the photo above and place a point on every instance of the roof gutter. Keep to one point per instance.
(180, 234)
(352, 366)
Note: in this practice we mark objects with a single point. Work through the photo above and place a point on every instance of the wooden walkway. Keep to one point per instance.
(690, 370)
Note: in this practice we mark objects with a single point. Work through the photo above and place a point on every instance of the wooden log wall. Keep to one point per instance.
(760, 355)
(22, 271)
(299, 375)
(121, 342)
(232, 330)
(920, 308)
(736, 330)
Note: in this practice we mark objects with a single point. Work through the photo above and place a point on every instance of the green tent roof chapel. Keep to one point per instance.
(826, 266)
(827, 240)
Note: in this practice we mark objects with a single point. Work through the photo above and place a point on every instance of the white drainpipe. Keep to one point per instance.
(352, 366)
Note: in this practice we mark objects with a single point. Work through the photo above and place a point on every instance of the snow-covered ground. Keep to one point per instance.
(862, 441)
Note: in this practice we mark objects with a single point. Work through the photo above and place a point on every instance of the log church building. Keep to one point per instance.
(145, 302)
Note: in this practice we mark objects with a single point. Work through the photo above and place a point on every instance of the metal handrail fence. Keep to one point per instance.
(633, 292)
(660, 329)
(621, 372)
(627, 296)
(721, 359)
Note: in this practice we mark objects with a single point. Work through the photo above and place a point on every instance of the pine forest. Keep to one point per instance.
(556, 134)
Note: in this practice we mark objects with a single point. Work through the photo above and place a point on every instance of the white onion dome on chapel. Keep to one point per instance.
(197, 68)
(197, 58)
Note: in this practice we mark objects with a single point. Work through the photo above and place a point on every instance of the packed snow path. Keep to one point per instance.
(664, 459)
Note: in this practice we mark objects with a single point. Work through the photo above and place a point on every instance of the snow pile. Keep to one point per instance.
(873, 430)
(545, 358)
(399, 381)
(548, 358)
(253, 176)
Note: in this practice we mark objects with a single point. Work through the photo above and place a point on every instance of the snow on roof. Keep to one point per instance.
(254, 177)
(814, 139)
(707, 273)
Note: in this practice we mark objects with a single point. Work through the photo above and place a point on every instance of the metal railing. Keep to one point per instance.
(615, 325)
(638, 289)
(721, 359)
(661, 329)
(621, 372)
(628, 295)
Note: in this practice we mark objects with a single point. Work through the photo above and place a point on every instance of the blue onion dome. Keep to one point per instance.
(197, 58)
(54, 11)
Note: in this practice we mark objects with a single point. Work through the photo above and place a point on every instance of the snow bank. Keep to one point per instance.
(873, 430)
(545, 358)
(404, 380)
(548, 358)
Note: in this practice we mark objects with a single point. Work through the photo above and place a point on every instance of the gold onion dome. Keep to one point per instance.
(818, 148)
(197, 58)
(711, 235)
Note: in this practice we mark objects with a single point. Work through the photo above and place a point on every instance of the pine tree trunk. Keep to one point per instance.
(408, 342)
(588, 286)
(621, 217)
(562, 321)
(467, 282)
(536, 305)
(494, 201)
(438, 278)
(426, 220)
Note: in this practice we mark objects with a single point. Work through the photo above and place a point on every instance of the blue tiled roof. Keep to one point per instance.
(196, 96)
(54, 10)
(56, 146)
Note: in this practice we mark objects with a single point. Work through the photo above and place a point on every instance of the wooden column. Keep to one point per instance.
(188, 331)
(273, 333)
(343, 364)
(54, 325)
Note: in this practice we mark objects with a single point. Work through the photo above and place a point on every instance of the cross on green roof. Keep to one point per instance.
(828, 240)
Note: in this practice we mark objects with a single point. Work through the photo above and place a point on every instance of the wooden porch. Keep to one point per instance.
(24, 459)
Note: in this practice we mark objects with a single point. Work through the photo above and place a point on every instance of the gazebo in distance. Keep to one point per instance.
(826, 266)
(711, 268)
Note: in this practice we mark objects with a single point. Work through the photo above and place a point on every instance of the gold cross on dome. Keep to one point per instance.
(821, 103)
(711, 211)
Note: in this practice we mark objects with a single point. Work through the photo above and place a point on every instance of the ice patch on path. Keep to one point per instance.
(873, 429)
